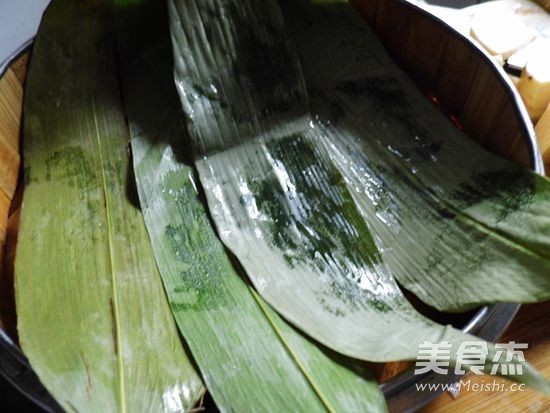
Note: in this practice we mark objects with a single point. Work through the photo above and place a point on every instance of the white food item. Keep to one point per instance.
(501, 32)
(529, 12)
(534, 85)
(538, 47)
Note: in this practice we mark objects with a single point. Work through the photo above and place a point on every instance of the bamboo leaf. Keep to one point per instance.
(250, 359)
(279, 201)
(93, 317)
(456, 225)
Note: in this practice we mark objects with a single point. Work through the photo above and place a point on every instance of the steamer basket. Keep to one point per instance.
(446, 65)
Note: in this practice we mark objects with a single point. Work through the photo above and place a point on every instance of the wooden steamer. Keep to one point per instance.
(461, 75)
(443, 63)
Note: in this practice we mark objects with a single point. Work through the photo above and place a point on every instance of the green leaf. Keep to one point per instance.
(280, 203)
(93, 316)
(250, 359)
(456, 225)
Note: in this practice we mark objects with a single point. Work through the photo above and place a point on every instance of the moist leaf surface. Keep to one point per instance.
(93, 317)
(251, 360)
(281, 201)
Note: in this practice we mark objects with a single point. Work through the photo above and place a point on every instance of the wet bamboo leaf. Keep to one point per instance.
(250, 359)
(280, 202)
(456, 225)
(93, 317)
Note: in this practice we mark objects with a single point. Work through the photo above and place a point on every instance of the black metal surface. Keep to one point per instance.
(401, 393)
(13, 401)
(16, 370)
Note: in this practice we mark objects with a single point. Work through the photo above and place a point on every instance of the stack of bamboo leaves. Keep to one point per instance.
(281, 197)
